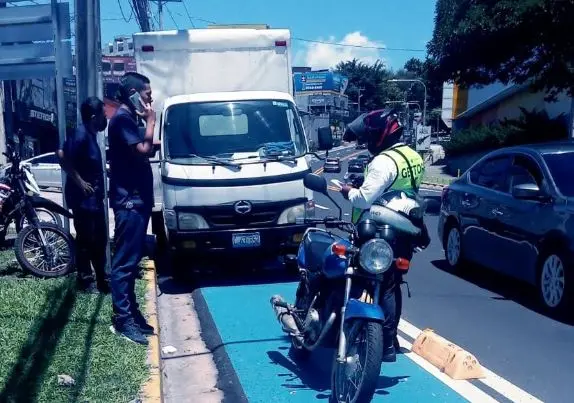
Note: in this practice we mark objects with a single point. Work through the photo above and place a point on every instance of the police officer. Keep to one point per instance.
(394, 167)
(131, 197)
(82, 160)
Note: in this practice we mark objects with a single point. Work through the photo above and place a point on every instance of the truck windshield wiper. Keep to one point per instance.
(216, 160)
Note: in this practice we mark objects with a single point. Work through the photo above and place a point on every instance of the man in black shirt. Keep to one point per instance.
(82, 160)
(131, 197)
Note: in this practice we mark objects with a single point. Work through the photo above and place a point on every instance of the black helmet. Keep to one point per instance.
(379, 129)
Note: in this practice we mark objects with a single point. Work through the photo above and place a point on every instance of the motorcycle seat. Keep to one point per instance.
(315, 245)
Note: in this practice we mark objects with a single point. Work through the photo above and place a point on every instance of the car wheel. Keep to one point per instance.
(555, 281)
(453, 246)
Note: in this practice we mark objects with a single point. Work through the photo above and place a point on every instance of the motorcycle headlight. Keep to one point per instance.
(290, 215)
(190, 221)
(376, 256)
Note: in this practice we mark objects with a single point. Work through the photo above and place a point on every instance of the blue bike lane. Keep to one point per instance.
(253, 343)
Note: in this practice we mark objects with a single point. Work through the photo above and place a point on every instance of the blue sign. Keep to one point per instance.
(319, 81)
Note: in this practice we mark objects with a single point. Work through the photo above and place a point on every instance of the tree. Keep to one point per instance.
(372, 80)
(519, 41)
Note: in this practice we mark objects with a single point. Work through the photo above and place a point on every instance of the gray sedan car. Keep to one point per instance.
(513, 212)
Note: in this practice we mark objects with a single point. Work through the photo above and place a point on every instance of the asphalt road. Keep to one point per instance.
(494, 318)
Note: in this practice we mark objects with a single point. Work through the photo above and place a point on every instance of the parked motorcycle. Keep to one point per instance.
(338, 297)
(16, 184)
(44, 249)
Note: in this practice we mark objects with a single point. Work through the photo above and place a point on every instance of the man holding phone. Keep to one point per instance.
(131, 198)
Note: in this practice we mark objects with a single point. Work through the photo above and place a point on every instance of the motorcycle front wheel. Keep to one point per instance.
(44, 215)
(355, 380)
(55, 258)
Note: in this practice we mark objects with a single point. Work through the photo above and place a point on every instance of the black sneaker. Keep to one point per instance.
(389, 354)
(130, 331)
(140, 322)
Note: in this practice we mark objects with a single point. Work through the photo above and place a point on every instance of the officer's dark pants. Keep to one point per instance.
(91, 241)
(130, 236)
(392, 303)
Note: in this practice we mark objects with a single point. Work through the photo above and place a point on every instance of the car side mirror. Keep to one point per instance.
(316, 183)
(528, 191)
(325, 138)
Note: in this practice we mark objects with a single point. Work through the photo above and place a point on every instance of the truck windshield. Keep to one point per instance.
(237, 130)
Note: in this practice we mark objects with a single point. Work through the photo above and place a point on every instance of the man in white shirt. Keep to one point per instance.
(394, 167)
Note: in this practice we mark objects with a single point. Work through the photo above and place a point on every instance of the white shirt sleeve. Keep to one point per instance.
(381, 174)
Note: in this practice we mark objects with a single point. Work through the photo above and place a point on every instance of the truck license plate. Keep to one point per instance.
(248, 240)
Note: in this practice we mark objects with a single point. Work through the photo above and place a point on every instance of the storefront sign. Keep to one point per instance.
(46, 117)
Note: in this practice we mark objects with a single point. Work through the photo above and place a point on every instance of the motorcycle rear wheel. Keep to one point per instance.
(33, 259)
(372, 333)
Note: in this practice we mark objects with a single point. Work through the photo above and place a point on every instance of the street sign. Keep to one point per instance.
(423, 138)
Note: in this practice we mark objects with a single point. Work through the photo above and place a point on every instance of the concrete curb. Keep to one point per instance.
(152, 389)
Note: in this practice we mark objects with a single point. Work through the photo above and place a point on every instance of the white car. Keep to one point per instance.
(46, 170)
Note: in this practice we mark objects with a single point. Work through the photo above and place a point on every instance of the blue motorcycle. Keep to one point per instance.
(337, 301)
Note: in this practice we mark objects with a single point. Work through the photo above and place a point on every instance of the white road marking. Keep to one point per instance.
(463, 388)
(492, 380)
(322, 207)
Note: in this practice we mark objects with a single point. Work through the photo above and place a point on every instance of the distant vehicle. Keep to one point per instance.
(332, 165)
(513, 212)
(355, 165)
(364, 158)
(45, 168)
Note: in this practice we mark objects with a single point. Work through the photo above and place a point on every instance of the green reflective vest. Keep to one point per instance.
(403, 181)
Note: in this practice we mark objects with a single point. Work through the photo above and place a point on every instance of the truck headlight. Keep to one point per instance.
(376, 256)
(290, 215)
(189, 221)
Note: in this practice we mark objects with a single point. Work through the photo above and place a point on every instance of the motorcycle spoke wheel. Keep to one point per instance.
(54, 259)
(355, 380)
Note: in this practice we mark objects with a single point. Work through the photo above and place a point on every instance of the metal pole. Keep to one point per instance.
(61, 104)
(160, 14)
(425, 104)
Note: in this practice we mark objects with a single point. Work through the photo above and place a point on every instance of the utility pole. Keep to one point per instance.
(359, 96)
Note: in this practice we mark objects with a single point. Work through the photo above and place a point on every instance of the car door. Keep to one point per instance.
(524, 222)
(478, 204)
(46, 170)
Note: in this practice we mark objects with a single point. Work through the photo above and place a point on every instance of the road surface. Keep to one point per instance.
(230, 346)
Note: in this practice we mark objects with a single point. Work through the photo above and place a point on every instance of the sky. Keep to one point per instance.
(391, 25)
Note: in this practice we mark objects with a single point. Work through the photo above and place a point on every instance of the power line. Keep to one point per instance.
(359, 46)
(188, 15)
(122, 12)
(171, 16)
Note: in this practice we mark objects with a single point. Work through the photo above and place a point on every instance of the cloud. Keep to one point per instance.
(326, 55)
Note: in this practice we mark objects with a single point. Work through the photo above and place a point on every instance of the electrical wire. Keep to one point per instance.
(171, 16)
(358, 46)
(188, 15)
(122, 12)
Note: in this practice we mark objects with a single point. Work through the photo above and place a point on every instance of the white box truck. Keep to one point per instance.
(232, 143)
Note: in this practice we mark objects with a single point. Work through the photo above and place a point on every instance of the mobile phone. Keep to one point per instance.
(136, 101)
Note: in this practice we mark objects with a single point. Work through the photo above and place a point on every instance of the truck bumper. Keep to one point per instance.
(262, 242)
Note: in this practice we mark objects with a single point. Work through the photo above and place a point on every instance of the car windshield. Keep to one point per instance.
(560, 166)
(235, 131)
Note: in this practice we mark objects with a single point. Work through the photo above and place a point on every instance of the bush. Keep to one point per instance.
(531, 127)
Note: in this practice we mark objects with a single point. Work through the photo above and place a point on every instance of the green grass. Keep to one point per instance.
(47, 329)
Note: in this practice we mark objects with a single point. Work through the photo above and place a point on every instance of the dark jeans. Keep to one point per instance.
(91, 241)
(392, 303)
(130, 237)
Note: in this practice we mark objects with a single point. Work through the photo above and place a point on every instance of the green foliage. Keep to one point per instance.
(531, 127)
(376, 90)
(479, 42)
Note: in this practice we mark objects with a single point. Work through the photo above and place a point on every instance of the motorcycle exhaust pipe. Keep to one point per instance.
(283, 315)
